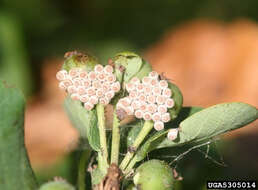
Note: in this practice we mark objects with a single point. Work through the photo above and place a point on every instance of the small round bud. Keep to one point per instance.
(81, 90)
(159, 125)
(84, 98)
(152, 108)
(105, 88)
(98, 68)
(93, 100)
(143, 107)
(133, 94)
(88, 106)
(172, 134)
(170, 103)
(165, 117)
(61, 75)
(125, 101)
(140, 87)
(83, 74)
(153, 75)
(156, 90)
(108, 69)
(75, 96)
(163, 84)
(101, 76)
(147, 116)
(151, 99)
(62, 86)
(115, 87)
(154, 82)
(72, 89)
(136, 104)
(160, 100)
(92, 75)
(130, 86)
(96, 84)
(142, 97)
(111, 78)
(156, 117)
(90, 91)
(99, 93)
(86, 83)
(138, 114)
(110, 95)
(74, 72)
(167, 92)
(135, 80)
(162, 109)
(67, 83)
(77, 82)
(104, 101)
(146, 80)
(147, 89)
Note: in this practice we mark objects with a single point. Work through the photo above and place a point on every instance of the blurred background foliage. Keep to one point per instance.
(34, 35)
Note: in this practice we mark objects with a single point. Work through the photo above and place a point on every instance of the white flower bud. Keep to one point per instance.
(74, 72)
(88, 106)
(61, 75)
(62, 86)
(165, 117)
(108, 69)
(83, 74)
(156, 117)
(170, 103)
(159, 125)
(72, 89)
(163, 84)
(75, 96)
(153, 75)
(147, 116)
(98, 68)
(81, 90)
(138, 114)
(84, 98)
(162, 109)
(172, 134)
(92, 75)
(167, 93)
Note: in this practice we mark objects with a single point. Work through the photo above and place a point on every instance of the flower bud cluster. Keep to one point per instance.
(149, 99)
(91, 88)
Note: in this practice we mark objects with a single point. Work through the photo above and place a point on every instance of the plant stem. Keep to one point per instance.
(115, 140)
(103, 163)
(84, 157)
(148, 125)
(131, 164)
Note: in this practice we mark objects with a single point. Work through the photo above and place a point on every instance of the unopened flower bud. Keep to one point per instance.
(172, 134)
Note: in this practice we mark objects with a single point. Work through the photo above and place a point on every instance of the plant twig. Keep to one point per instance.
(148, 125)
(115, 140)
(84, 157)
(103, 154)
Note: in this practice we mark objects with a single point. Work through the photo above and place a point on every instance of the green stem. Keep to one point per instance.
(84, 157)
(115, 140)
(148, 125)
(103, 158)
(131, 164)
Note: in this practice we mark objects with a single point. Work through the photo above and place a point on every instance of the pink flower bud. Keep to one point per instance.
(156, 117)
(167, 92)
(72, 89)
(162, 109)
(130, 86)
(98, 68)
(142, 97)
(133, 94)
(136, 104)
(143, 107)
(170, 103)
(105, 88)
(93, 100)
(172, 134)
(74, 72)
(67, 82)
(147, 90)
(99, 93)
(129, 110)
(86, 83)
(160, 100)
(147, 116)
(96, 84)
(62, 86)
(81, 90)
(138, 114)
(151, 99)
(165, 117)
(108, 69)
(152, 108)
(61, 75)
(91, 91)
(159, 125)
(75, 96)
(115, 86)
(156, 90)
(163, 84)
(83, 74)
(103, 101)
(111, 78)
(84, 98)
(153, 75)
(92, 75)
(154, 82)
(125, 101)
(88, 106)
(135, 80)
(110, 95)
(77, 82)
(101, 76)
(146, 80)
(140, 87)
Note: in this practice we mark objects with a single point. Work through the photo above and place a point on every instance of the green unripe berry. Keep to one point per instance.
(79, 60)
(154, 175)
(57, 185)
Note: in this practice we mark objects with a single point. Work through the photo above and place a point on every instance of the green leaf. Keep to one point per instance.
(86, 122)
(15, 169)
(213, 121)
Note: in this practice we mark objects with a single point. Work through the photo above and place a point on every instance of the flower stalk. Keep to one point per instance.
(84, 157)
(148, 125)
(115, 140)
(103, 154)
